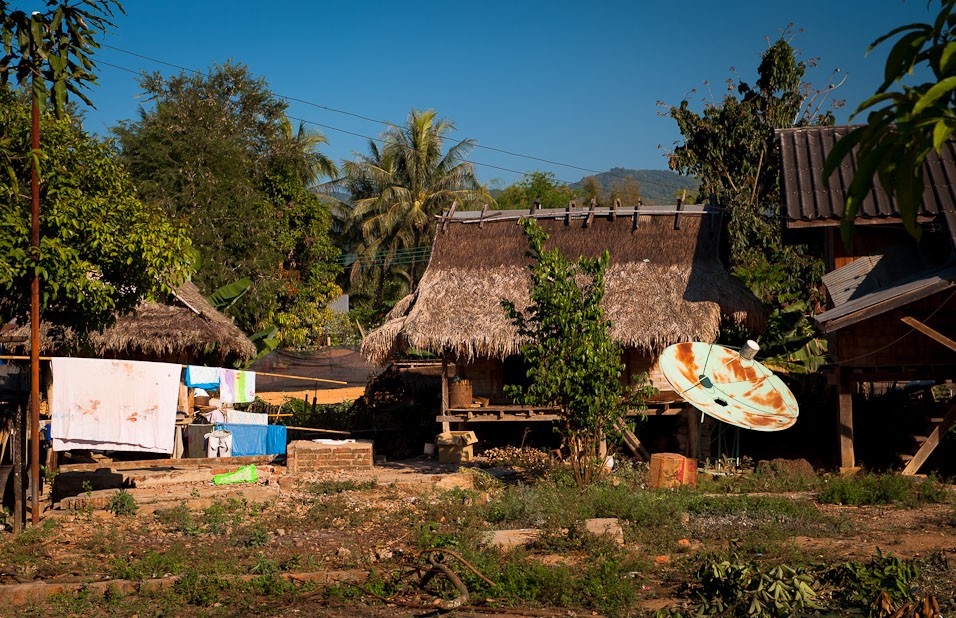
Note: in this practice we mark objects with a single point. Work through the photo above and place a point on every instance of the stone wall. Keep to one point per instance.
(305, 455)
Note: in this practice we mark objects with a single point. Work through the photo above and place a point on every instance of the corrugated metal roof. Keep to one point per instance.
(809, 200)
(871, 273)
(895, 295)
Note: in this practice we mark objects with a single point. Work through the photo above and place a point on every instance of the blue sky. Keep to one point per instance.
(556, 80)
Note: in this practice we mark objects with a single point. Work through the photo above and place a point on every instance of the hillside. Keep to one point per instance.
(656, 186)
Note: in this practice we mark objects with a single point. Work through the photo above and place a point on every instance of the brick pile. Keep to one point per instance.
(306, 456)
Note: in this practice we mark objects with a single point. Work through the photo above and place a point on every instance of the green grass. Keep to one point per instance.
(326, 487)
(871, 489)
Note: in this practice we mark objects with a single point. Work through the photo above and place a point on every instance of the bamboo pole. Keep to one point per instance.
(261, 373)
(344, 433)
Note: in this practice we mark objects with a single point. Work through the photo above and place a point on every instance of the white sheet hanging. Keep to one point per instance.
(246, 418)
(114, 405)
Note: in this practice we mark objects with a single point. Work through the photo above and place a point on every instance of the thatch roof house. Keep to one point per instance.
(665, 284)
(184, 329)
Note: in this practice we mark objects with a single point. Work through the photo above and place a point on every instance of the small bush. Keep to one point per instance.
(253, 536)
(860, 584)
(152, 564)
(732, 587)
(198, 589)
(179, 519)
(122, 504)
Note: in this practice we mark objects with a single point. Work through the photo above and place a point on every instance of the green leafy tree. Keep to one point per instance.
(730, 148)
(903, 126)
(218, 152)
(102, 250)
(536, 186)
(574, 364)
(395, 192)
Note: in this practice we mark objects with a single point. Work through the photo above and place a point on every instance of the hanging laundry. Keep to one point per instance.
(202, 377)
(113, 405)
(238, 417)
(237, 386)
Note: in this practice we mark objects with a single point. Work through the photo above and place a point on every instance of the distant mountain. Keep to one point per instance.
(654, 186)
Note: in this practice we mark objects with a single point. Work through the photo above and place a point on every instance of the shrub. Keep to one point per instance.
(869, 489)
(122, 504)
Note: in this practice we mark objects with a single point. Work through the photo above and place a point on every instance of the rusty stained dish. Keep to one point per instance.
(719, 382)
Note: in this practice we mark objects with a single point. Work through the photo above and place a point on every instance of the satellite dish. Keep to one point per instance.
(729, 385)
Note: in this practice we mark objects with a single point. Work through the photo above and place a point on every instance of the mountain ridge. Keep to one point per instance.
(654, 186)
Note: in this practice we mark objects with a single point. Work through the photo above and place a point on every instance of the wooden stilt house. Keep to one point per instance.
(665, 284)
(892, 315)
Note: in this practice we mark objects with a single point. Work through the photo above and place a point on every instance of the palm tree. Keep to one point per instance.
(300, 150)
(395, 191)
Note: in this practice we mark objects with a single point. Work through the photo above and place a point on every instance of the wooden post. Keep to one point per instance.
(845, 405)
(614, 207)
(451, 213)
(590, 219)
(445, 425)
(481, 218)
(680, 207)
(18, 439)
(693, 429)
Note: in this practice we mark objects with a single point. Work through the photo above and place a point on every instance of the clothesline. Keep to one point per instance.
(261, 373)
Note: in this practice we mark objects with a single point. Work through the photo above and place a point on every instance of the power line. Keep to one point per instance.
(381, 140)
(391, 124)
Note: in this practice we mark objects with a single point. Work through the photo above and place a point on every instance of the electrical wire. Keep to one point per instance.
(394, 125)
(381, 140)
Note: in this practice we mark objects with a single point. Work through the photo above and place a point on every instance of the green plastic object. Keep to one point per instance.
(245, 474)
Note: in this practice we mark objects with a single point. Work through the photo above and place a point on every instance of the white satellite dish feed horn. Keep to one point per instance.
(729, 385)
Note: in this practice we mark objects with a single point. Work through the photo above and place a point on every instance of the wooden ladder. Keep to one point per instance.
(929, 443)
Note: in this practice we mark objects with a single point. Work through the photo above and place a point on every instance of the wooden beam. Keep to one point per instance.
(680, 207)
(451, 213)
(590, 219)
(929, 332)
(931, 442)
(845, 405)
(632, 442)
(445, 426)
(481, 218)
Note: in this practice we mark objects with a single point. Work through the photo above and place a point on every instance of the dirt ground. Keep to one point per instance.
(322, 396)
(350, 539)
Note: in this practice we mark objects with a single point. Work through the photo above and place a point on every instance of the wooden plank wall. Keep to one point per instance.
(488, 379)
(885, 341)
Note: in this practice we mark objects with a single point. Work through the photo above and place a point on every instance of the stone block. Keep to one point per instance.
(609, 526)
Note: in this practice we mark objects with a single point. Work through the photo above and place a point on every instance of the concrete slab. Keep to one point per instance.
(507, 539)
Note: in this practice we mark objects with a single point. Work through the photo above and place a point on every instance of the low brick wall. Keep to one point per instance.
(306, 455)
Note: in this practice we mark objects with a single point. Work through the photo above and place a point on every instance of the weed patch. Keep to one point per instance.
(150, 565)
(326, 487)
(871, 489)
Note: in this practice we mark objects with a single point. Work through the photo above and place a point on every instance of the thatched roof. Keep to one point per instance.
(664, 284)
(184, 329)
